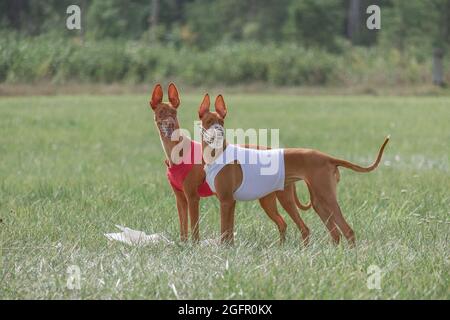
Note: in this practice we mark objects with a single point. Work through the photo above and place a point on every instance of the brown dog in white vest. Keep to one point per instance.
(187, 179)
(232, 179)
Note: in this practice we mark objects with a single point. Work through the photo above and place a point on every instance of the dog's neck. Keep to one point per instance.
(213, 152)
(168, 144)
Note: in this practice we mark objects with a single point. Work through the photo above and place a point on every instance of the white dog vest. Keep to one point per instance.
(262, 171)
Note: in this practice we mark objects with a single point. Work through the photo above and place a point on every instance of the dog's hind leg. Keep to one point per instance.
(328, 219)
(285, 199)
(269, 204)
(333, 206)
(323, 188)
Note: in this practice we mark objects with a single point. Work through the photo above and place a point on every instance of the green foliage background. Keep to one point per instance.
(285, 42)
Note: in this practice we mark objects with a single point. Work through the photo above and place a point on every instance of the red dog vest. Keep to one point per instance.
(178, 172)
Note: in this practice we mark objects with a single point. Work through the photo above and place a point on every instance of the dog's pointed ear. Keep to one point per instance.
(220, 106)
(204, 106)
(173, 96)
(157, 96)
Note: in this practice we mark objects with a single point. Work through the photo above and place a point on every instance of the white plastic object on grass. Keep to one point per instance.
(137, 238)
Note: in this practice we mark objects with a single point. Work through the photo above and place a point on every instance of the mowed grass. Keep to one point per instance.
(71, 167)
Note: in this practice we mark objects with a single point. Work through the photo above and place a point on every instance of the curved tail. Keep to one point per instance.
(298, 203)
(357, 168)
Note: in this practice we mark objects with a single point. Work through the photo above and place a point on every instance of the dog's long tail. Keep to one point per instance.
(298, 203)
(357, 168)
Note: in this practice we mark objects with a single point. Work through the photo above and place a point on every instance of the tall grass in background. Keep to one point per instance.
(60, 60)
(73, 167)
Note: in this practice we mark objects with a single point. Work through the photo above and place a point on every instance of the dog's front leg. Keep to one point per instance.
(227, 180)
(227, 207)
(193, 201)
(182, 208)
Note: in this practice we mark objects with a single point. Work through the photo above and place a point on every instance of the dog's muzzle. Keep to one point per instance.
(214, 136)
(167, 126)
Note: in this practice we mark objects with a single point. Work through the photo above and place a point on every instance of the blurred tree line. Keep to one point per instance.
(415, 28)
(203, 23)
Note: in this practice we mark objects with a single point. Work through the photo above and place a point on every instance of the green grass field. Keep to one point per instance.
(71, 167)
